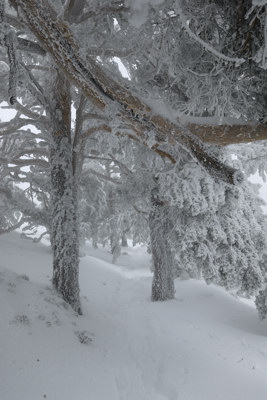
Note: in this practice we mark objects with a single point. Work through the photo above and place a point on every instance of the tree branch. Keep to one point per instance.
(32, 47)
(103, 91)
(25, 163)
(12, 227)
(103, 176)
(229, 134)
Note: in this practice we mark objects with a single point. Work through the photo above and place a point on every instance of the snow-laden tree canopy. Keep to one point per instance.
(197, 68)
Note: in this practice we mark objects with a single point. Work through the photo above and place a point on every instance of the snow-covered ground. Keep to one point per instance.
(204, 345)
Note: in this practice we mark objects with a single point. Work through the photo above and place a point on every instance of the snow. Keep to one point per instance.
(139, 10)
(204, 345)
(259, 2)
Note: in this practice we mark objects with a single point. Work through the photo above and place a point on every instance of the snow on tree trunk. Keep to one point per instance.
(261, 303)
(64, 221)
(124, 242)
(115, 233)
(160, 225)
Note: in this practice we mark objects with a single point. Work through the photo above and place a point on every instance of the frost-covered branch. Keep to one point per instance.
(103, 176)
(120, 53)
(31, 47)
(237, 61)
(10, 127)
(34, 85)
(73, 10)
(25, 163)
(30, 114)
(10, 41)
(12, 227)
(37, 152)
(264, 56)
(108, 7)
(104, 92)
(95, 129)
(111, 159)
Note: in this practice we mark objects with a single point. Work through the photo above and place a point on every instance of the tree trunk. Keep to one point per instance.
(160, 225)
(64, 222)
(124, 242)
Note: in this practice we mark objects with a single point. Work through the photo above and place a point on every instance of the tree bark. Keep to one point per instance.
(64, 221)
(159, 224)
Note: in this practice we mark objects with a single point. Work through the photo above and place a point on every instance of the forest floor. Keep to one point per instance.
(204, 345)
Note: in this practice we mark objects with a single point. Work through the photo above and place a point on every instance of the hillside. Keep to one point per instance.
(204, 345)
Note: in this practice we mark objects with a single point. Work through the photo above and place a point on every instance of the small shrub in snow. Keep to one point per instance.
(261, 303)
(21, 319)
(83, 337)
(23, 276)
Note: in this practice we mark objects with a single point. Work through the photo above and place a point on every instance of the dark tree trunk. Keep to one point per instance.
(64, 221)
(160, 225)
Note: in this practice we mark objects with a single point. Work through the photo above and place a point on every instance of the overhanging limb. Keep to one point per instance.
(55, 36)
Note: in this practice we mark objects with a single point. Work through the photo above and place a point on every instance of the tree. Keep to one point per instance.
(203, 93)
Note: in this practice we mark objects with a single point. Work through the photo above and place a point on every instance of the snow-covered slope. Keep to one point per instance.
(204, 345)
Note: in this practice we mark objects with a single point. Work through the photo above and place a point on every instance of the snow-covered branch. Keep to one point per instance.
(31, 47)
(104, 92)
(103, 176)
(12, 227)
(7, 128)
(94, 129)
(25, 162)
(10, 41)
(237, 61)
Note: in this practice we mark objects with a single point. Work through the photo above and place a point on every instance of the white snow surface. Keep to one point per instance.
(204, 345)
(259, 2)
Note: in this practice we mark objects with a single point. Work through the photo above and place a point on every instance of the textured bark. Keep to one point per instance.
(224, 135)
(159, 224)
(64, 223)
